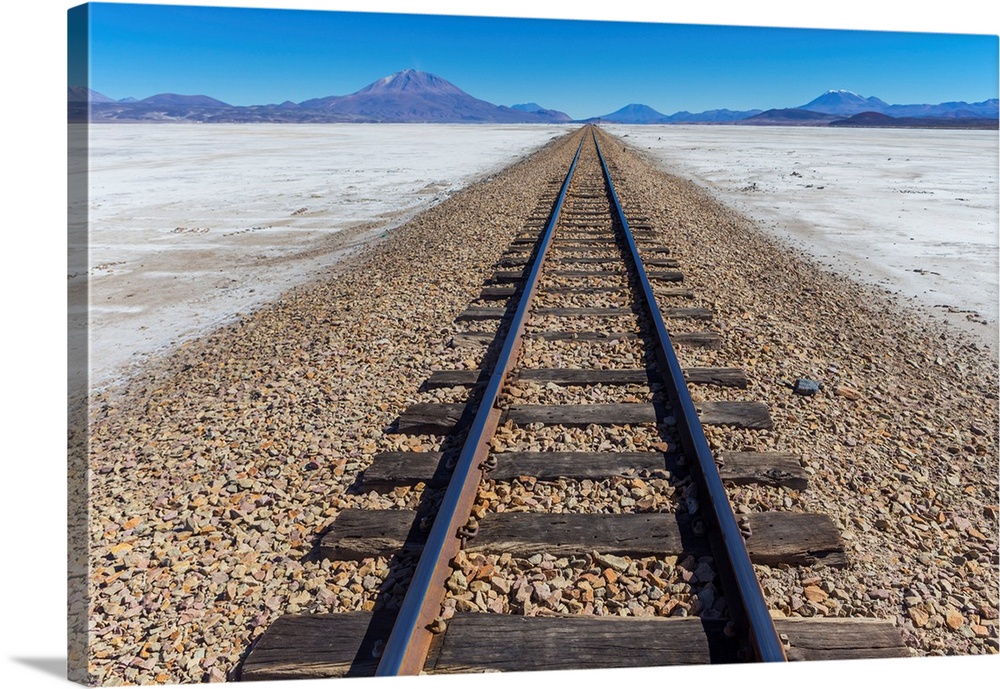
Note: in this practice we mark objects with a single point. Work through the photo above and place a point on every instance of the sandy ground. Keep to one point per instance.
(192, 225)
(913, 211)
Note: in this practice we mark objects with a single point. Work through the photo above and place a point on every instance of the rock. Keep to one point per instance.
(806, 386)
(815, 594)
(953, 619)
(616, 563)
(918, 616)
(847, 392)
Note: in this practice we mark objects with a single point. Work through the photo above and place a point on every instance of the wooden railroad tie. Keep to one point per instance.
(344, 644)
(442, 418)
(792, 538)
(483, 313)
(707, 340)
(723, 377)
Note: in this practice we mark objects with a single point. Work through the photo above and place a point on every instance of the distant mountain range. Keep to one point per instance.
(833, 108)
(415, 96)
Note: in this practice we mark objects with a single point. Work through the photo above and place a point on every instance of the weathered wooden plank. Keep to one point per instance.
(357, 534)
(520, 643)
(708, 340)
(587, 259)
(523, 534)
(391, 469)
(482, 313)
(776, 537)
(618, 272)
(495, 293)
(661, 262)
(585, 376)
(690, 313)
(581, 414)
(753, 415)
(507, 276)
(722, 377)
(514, 261)
(452, 379)
(562, 289)
(343, 644)
(665, 275)
(472, 339)
(841, 638)
(794, 538)
(549, 466)
(316, 646)
(431, 417)
(582, 246)
(772, 468)
(673, 292)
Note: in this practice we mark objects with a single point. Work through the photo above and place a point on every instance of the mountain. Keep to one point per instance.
(633, 113)
(556, 115)
(82, 94)
(877, 119)
(415, 96)
(174, 100)
(711, 116)
(847, 103)
(986, 108)
(842, 102)
(790, 116)
(407, 96)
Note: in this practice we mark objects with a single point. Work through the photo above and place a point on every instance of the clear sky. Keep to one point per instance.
(249, 56)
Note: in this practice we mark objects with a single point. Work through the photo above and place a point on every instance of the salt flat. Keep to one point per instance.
(189, 225)
(912, 210)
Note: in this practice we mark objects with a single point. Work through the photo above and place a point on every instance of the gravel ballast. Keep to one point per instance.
(215, 470)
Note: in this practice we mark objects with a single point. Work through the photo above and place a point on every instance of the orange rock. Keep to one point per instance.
(847, 392)
(953, 618)
(918, 616)
(119, 548)
(815, 594)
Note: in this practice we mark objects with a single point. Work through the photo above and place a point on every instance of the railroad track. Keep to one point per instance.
(575, 516)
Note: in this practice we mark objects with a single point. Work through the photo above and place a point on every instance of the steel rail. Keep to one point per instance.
(406, 650)
(764, 637)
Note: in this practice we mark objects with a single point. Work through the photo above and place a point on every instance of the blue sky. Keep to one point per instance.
(253, 56)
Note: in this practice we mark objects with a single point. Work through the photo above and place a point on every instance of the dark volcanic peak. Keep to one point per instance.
(527, 107)
(877, 119)
(711, 116)
(790, 116)
(634, 113)
(174, 100)
(411, 81)
(841, 102)
(536, 109)
(82, 94)
(414, 96)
